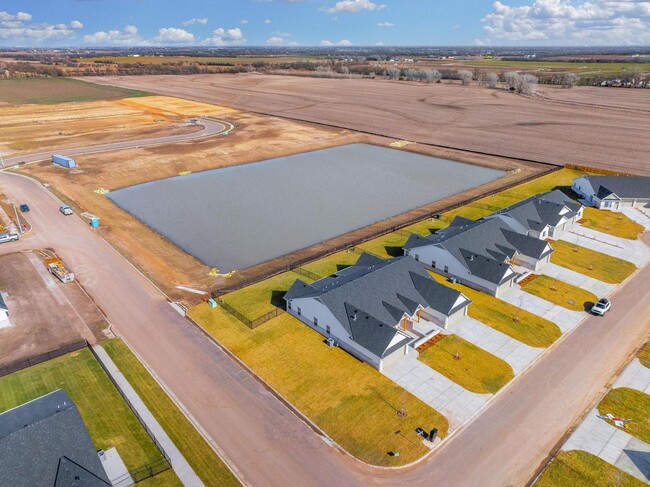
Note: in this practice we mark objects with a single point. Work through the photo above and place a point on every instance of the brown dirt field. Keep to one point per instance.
(80, 124)
(44, 313)
(561, 127)
(255, 138)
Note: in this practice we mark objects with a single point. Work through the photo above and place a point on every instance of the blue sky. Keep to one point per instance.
(323, 22)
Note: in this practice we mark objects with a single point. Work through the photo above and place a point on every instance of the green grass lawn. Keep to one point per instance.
(577, 468)
(560, 293)
(612, 223)
(591, 262)
(507, 318)
(386, 246)
(476, 370)
(352, 402)
(630, 404)
(108, 418)
(48, 91)
(329, 265)
(200, 455)
(644, 355)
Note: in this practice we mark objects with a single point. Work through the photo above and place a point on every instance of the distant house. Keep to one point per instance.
(613, 192)
(543, 215)
(45, 443)
(376, 308)
(480, 253)
(4, 313)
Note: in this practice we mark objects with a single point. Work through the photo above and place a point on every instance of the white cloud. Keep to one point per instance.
(379, 43)
(354, 6)
(127, 37)
(225, 37)
(173, 35)
(195, 21)
(385, 24)
(267, 21)
(244, 22)
(280, 39)
(342, 42)
(20, 30)
(570, 21)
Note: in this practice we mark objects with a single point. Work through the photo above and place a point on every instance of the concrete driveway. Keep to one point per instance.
(430, 386)
(634, 251)
(518, 355)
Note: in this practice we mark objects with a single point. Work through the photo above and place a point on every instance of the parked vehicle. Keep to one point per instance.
(57, 269)
(66, 210)
(24, 207)
(8, 237)
(601, 307)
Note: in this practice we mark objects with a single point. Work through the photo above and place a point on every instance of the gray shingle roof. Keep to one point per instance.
(382, 290)
(3, 305)
(537, 212)
(627, 187)
(44, 442)
(491, 241)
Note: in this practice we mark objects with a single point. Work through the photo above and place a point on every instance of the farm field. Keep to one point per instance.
(239, 60)
(349, 400)
(78, 124)
(48, 91)
(108, 418)
(574, 128)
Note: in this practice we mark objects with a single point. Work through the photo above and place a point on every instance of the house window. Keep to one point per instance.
(299, 311)
(433, 264)
(328, 329)
(608, 204)
(315, 321)
(446, 269)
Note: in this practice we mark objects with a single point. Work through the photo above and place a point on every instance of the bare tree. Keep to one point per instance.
(393, 73)
(432, 75)
(465, 76)
(633, 75)
(511, 80)
(569, 80)
(527, 84)
(489, 80)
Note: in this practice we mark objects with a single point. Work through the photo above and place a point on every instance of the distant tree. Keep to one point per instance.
(527, 84)
(569, 80)
(489, 80)
(432, 75)
(511, 80)
(465, 76)
(393, 73)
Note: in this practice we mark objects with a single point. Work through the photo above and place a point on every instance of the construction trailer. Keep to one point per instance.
(58, 270)
(63, 161)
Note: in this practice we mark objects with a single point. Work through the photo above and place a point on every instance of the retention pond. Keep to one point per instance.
(236, 217)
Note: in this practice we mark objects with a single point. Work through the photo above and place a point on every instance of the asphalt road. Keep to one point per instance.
(268, 444)
(210, 128)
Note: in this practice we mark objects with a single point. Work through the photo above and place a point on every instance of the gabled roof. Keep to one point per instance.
(3, 305)
(491, 241)
(626, 187)
(537, 212)
(382, 290)
(44, 442)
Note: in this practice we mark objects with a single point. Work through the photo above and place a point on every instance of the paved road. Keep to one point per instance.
(268, 444)
(210, 128)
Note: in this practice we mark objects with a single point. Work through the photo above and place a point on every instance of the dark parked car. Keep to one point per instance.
(24, 207)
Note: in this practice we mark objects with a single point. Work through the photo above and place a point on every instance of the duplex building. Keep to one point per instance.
(542, 216)
(613, 192)
(376, 308)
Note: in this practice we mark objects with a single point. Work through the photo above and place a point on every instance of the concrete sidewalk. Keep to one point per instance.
(518, 355)
(599, 288)
(430, 386)
(635, 376)
(641, 216)
(176, 459)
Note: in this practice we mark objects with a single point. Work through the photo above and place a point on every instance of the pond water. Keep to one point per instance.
(236, 217)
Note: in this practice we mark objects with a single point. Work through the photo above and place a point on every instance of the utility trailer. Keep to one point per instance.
(58, 270)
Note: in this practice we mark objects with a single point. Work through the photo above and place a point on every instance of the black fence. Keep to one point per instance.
(21, 364)
(306, 273)
(351, 245)
(143, 473)
(254, 323)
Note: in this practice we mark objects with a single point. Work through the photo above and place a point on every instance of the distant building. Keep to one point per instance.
(377, 308)
(45, 443)
(613, 192)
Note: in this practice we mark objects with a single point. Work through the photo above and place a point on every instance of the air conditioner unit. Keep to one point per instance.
(330, 342)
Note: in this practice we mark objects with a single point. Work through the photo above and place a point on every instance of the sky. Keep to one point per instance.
(101, 23)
